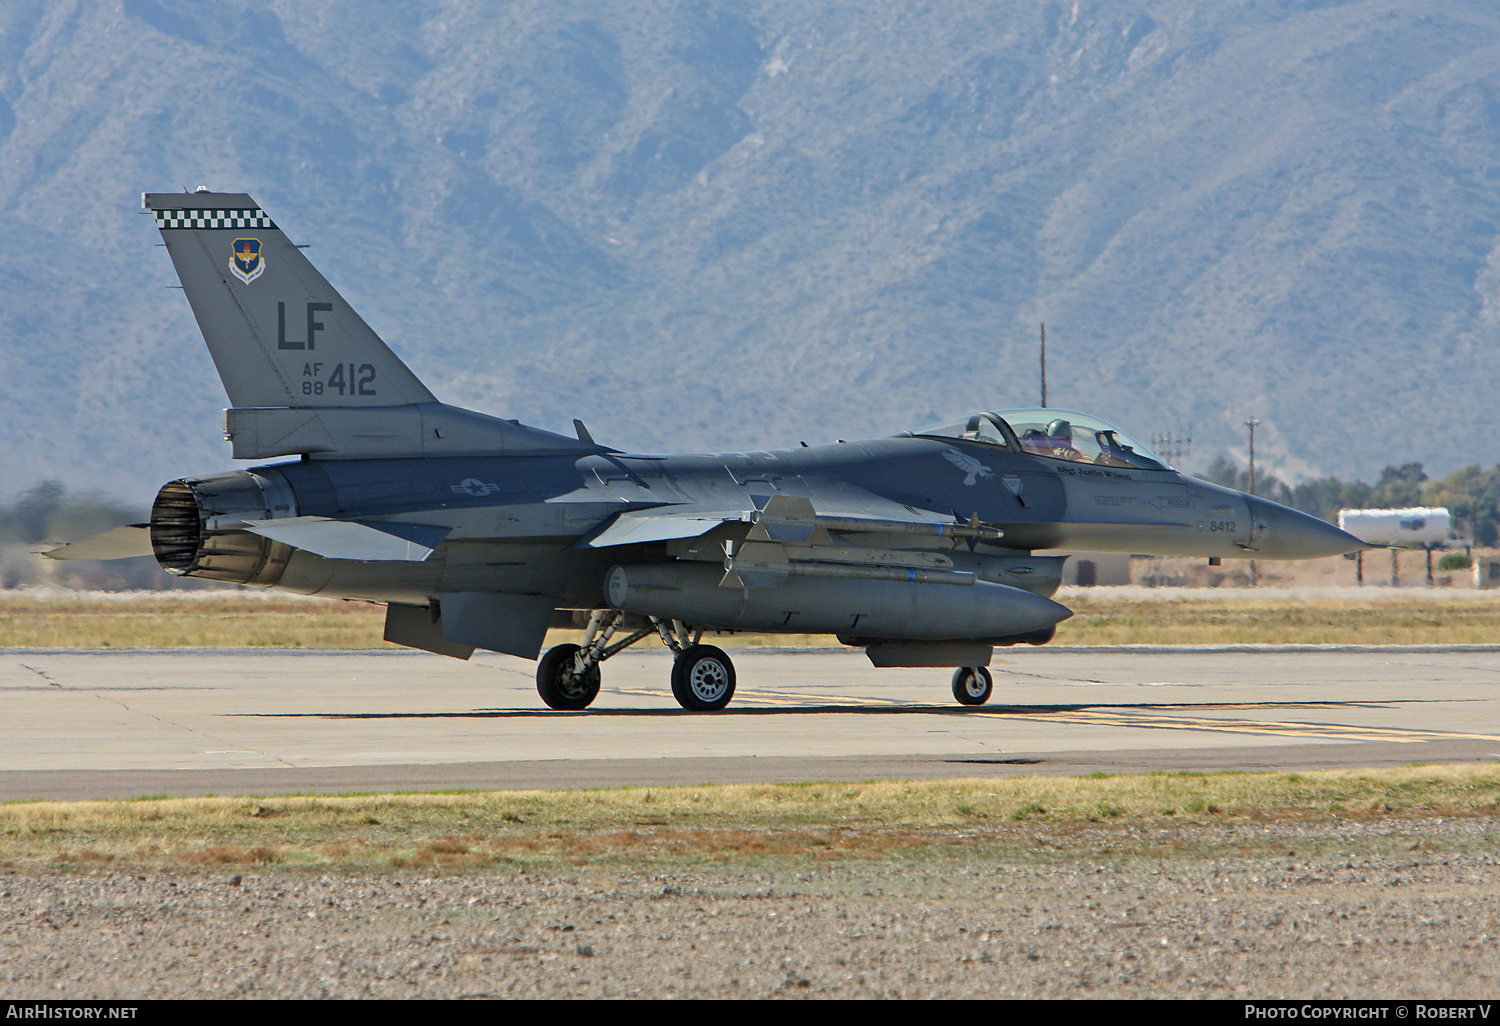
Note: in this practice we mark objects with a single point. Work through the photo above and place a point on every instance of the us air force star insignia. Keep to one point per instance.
(474, 486)
(968, 464)
(245, 261)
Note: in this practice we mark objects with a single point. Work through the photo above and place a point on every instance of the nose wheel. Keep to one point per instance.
(972, 685)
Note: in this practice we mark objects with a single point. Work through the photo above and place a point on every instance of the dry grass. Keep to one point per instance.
(248, 619)
(188, 620)
(1422, 619)
(698, 823)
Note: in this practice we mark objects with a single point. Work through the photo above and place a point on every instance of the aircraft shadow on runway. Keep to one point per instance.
(823, 709)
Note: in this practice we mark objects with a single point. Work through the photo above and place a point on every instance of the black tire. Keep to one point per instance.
(703, 679)
(972, 685)
(559, 686)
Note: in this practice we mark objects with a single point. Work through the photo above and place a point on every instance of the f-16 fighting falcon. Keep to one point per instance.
(478, 532)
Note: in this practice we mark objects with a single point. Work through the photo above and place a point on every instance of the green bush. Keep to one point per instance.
(1455, 561)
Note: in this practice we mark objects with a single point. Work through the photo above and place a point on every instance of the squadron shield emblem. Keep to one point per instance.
(245, 260)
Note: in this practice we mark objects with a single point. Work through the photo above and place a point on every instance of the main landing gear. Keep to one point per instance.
(567, 676)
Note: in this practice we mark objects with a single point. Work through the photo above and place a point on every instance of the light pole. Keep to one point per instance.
(1044, 365)
(1252, 423)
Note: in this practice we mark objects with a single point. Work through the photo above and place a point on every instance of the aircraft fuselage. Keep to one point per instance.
(522, 523)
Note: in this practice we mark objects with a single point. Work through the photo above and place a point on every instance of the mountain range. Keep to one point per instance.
(709, 224)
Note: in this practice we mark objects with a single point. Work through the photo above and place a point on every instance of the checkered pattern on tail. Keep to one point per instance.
(178, 218)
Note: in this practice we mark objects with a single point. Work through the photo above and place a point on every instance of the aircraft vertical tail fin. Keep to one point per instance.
(304, 373)
(279, 334)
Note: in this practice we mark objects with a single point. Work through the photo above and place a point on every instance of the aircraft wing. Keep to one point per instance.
(786, 518)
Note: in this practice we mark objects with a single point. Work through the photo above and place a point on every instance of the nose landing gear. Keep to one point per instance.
(972, 685)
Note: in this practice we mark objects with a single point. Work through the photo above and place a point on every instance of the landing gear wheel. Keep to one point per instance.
(557, 683)
(972, 685)
(703, 679)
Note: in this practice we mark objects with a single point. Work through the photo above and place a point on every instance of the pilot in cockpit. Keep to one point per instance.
(1056, 441)
(1059, 441)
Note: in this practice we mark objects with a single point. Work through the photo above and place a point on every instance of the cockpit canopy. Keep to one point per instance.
(1055, 434)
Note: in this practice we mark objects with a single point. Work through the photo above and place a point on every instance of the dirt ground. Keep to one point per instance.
(1383, 908)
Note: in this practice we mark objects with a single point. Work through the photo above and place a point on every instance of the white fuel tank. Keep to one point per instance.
(1414, 528)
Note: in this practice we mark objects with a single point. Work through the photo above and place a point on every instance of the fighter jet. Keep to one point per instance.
(479, 532)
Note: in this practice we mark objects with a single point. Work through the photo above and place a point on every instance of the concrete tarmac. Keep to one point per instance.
(103, 724)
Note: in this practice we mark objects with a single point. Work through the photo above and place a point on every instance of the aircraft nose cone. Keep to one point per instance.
(1282, 533)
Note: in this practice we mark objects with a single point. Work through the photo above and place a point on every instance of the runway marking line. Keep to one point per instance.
(780, 698)
(1102, 718)
(1321, 731)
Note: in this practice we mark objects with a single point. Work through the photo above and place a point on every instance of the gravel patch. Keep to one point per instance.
(1384, 909)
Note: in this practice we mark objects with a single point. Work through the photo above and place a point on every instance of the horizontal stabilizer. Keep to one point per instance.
(365, 542)
(121, 543)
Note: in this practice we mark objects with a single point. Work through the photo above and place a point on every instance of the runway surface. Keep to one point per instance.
(98, 724)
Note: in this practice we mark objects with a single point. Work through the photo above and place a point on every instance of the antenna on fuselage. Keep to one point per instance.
(1044, 365)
